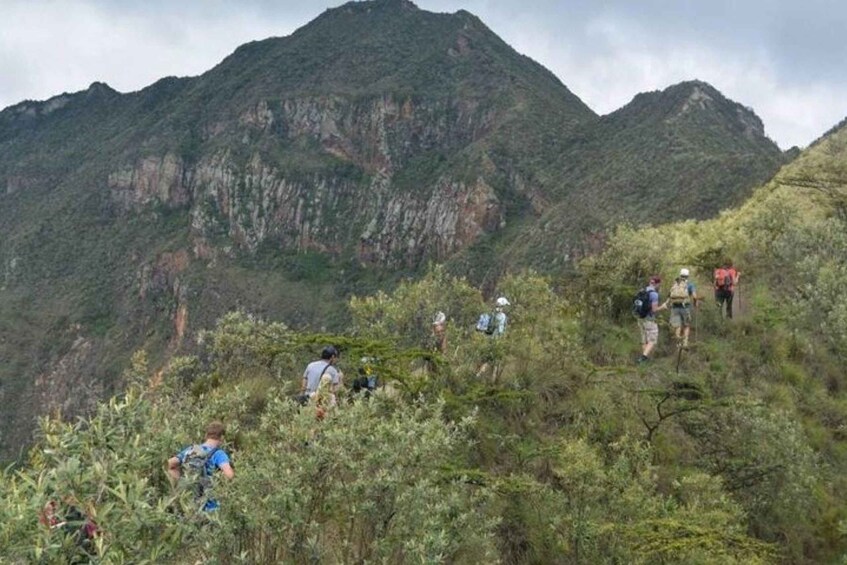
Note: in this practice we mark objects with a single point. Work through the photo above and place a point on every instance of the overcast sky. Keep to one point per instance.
(784, 58)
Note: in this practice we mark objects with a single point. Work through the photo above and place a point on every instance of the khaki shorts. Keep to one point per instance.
(681, 316)
(649, 330)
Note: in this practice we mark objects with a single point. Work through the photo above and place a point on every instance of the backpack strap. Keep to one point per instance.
(212, 453)
(207, 458)
(199, 447)
(322, 373)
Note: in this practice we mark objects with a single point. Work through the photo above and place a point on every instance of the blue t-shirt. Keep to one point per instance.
(217, 459)
(654, 299)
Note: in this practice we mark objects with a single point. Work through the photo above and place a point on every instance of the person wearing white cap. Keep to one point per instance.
(683, 295)
(500, 316)
(439, 331)
(492, 325)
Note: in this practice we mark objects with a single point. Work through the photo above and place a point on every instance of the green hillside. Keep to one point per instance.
(339, 160)
(547, 445)
(685, 152)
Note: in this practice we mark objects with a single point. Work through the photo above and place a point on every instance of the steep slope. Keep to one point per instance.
(685, 152)
(372, 141)
(784, 351)
(365, 138)
(347, 103)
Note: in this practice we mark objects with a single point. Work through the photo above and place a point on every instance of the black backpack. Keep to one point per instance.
(641, 306)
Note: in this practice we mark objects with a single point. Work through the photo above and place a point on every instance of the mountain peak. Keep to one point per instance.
(389, 4)
(693, 101)
(700, 96)
(371, 6)
(100, 87)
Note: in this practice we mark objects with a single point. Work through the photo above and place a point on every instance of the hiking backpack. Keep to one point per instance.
(195, 471)
(679, 292)
(641, 306)
(723, 279)
(487, 323)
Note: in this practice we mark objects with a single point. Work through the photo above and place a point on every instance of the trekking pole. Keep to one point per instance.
(678, 357)
(738, 299)
(696, 315)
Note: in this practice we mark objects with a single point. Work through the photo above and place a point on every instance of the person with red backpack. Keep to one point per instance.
(726, 278)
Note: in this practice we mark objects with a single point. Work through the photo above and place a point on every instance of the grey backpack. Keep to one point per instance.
(195, 470)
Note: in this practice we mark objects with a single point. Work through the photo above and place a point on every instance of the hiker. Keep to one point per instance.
(316, 369)
(683, 295)
(647, 305)
(439, 332)
(367, 380)
(73, 523)
(726, 278)
(199, 463)
(494, 324)
(500, 315)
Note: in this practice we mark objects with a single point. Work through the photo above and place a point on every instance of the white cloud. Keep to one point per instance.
(625, 59)
(56, 50)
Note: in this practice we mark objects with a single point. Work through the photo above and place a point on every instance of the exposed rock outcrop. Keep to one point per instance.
(325, 210)
(67, 387)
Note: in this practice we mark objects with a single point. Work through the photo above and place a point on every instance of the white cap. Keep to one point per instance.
(683, 272)
(439, 319)
(502, 301)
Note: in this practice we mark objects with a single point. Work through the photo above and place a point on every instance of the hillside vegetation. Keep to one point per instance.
(559, 450)
(371, 142)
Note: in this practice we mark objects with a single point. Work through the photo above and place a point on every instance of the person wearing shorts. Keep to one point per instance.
(683, 296)
(648, 326)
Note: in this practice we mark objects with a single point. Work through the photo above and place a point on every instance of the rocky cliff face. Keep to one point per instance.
(354, 206)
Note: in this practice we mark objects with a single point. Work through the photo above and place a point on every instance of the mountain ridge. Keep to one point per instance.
(289, 176)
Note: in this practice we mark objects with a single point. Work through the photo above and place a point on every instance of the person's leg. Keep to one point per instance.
(686, 325)
(721, 297)
(651, 337)
(643, 332)
(729, 295)
(677, 322)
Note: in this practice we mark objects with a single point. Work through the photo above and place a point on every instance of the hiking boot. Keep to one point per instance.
(643, 359)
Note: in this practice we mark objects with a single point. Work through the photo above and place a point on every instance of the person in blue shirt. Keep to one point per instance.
(683, 296)
(209, 457)
(649, 327)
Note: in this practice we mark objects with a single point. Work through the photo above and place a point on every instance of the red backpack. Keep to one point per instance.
(723, 279)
